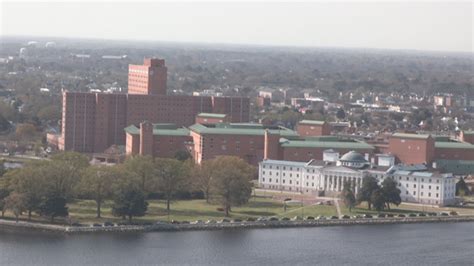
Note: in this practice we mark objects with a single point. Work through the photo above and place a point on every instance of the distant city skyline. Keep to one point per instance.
(400, 25)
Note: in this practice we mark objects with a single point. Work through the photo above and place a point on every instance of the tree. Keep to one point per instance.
(129, 201)
(202, 178)
(348, 195)
(53, 205)
(231, 181)
(143, 167)
(64, 171)
(4, 192)
(95, 183)
(29, 181)
(25, 131)
(182, 155)
(378, 200)
(369, 185)
(461, 188)
(171, 177)
(15, 202)
(340, 114)
(391, 192)
(4, 124)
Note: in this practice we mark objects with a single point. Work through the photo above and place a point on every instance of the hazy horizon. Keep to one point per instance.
(407, 26)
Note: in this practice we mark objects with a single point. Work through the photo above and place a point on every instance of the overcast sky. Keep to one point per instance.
(402, 25)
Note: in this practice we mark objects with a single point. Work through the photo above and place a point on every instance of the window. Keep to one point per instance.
(290, 182)
(263, 179)
(283, 181)
(429, 194)
(270, 180)
(429, 187)
(437, 195)
(437, 187)
(414, 185)
(414, 193)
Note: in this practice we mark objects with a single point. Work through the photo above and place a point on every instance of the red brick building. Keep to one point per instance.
(92, 122)
(208, 118)
(313, 128)
(157, 140)
(412, 148)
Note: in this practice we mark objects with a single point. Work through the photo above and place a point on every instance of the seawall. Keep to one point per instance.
(229, 225)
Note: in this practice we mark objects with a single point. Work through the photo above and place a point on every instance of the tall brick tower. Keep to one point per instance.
(149, 78)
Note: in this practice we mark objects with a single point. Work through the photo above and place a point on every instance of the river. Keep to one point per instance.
(401, 244)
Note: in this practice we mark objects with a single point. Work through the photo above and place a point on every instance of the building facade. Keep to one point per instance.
(417, 185)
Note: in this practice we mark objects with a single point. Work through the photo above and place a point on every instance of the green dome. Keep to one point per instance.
(353, 156)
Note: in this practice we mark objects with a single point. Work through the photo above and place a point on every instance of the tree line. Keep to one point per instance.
(46, 187)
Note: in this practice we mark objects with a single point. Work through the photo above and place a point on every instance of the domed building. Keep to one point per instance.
(353, 159)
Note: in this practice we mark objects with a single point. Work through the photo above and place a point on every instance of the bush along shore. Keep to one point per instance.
(213, 225)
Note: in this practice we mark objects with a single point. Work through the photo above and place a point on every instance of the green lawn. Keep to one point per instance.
(84, 211)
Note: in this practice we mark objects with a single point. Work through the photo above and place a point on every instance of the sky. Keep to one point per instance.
(439, 26)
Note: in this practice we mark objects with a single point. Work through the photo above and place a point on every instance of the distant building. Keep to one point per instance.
(313, 128)
(327, 178)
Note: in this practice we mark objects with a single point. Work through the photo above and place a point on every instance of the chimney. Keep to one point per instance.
(271, 146)
(146, 138)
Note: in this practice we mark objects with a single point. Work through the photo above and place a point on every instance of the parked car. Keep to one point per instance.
(197, 222)
(444, 214)
(381, 215)
(96, 225)
(401, 215)
(367, 216)
(309, 218)
(333, 217)
(251, 219)
(237, 220)
(453, 213)
(432, 214)
(77, 224)
(211, 222)
(174, 222)
(345, 217)
(273, 219)
(285, 219)
(296, 218)
(421, 214)
(358, 216)
(320, 217)
(261, 219)
(412, 215)
(224, 221)
(108, 224)
(390, 215)
(185, 222)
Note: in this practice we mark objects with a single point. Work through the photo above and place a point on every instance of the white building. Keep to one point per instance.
(327, 178)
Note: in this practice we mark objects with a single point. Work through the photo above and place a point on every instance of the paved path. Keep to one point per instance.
(336, 202)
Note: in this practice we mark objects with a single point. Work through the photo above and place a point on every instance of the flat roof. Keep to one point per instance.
(164, 129)
(211, 115)
(410, 136)
(468, 132)
(353, 145)
(241, 129)
(453, 145)
(312, 122)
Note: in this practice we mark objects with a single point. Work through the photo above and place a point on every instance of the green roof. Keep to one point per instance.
(160, 130)
(453, 145)
(241, 129)
(456, 167)
(312, 122)
(354, 145)
(211, 115)
(410, 136)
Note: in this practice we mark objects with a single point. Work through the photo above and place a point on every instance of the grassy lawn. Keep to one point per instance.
(84, 211)
(405, 209)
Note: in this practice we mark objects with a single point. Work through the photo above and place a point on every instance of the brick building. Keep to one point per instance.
(412, 148)
(92, 122)
(313, 128)
(157, 140)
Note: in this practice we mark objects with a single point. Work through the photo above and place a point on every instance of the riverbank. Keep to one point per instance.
(161, 227)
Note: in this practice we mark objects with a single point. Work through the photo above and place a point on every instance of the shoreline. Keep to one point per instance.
(166, 227)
